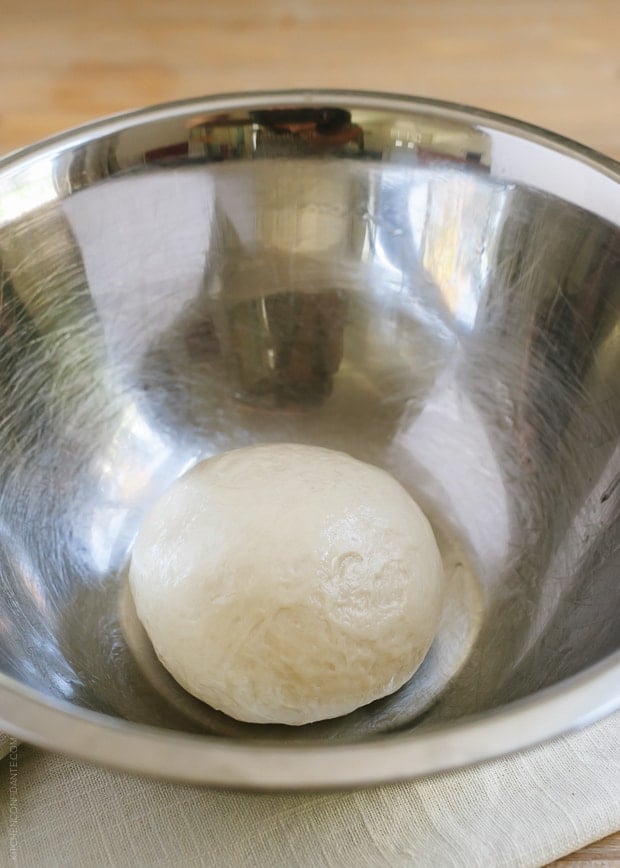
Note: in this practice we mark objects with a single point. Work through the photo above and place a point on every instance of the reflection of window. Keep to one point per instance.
(568, 177)
(220, 140)
(26, 190)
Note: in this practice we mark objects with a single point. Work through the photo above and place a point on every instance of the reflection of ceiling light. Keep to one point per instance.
(33, 185)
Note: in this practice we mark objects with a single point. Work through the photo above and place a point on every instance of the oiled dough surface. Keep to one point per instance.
(286, 583)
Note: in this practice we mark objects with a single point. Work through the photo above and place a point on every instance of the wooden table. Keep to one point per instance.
(552, 62)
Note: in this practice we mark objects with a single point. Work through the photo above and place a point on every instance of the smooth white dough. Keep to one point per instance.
(286, 583)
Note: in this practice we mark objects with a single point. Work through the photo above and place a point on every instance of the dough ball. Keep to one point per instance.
(287, 584)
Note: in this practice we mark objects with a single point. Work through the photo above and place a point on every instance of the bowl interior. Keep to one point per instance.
(362, 279)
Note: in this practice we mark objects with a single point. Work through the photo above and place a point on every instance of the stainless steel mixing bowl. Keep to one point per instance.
(429, 287)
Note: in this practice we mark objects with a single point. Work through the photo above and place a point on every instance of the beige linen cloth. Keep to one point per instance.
(523, 810)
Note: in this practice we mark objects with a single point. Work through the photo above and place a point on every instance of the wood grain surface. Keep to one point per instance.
(605, 852)
(555, 63)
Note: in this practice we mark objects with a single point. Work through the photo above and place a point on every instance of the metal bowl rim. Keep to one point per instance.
(243, 764)
(378, 100)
